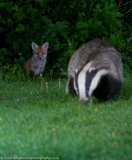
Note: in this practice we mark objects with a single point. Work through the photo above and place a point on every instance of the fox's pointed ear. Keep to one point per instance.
(45, 45)
(34, 45)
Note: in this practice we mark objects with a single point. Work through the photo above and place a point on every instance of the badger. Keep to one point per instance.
(95, 69)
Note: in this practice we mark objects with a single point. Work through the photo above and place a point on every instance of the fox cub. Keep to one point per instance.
(35, 65)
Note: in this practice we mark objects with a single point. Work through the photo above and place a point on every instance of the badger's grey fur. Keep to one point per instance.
(95, 69)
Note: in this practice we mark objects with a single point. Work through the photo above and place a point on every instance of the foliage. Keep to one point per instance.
(66, 25)
(13, 72)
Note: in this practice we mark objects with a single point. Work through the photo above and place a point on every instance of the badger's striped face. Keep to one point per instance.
(86, 81)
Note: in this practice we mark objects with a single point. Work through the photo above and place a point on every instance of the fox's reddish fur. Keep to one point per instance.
(35, 65)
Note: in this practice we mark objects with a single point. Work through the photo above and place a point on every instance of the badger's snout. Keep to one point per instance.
(83, 99)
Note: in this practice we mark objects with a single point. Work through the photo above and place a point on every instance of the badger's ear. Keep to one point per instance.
(45, 45)
(91, 69)
(76, 71)
(34, 45)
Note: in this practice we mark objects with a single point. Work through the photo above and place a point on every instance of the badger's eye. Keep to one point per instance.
(74, 84)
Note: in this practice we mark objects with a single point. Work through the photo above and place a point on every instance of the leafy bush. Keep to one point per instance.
(13, 72)
(66, 25)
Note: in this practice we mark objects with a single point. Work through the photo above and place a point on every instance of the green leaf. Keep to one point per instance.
(20, 28)
(2, 4)
(10, 22)
(118, 15)
(98, 7)
(8, 6)
(56, 47)
(47, 21)
(113, 39)
(19, 15)
(61, 25)
(81, 25)
(31, 10)
(15, 7)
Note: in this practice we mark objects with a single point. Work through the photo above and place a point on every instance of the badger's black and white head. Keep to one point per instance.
(86, 80)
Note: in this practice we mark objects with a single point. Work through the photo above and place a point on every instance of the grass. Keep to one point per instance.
(48, 124)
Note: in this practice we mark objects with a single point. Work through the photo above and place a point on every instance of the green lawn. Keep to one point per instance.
(48, 124)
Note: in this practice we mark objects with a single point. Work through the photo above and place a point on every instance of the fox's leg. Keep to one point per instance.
(41, 70)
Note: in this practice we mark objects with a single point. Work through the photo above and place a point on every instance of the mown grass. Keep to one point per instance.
(44, 123)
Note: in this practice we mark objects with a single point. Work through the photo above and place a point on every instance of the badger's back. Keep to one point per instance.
(94, 49)
(109, 59)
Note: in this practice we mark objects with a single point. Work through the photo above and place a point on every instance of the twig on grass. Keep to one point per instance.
(46, 84)
(42, 81)
(59, 82)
